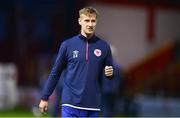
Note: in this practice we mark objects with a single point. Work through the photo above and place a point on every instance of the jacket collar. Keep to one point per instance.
(93, 38)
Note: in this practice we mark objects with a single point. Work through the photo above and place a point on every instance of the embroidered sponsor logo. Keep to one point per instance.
(97, 52)
(75, 53)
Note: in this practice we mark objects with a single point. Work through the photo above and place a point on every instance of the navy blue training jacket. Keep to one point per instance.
(84, 60)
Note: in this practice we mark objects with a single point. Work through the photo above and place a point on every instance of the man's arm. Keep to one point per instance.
(109, 62)
(53, 78)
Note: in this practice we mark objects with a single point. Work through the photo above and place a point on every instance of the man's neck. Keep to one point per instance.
(86, 35)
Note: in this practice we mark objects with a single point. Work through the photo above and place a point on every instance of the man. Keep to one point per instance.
(85, 57)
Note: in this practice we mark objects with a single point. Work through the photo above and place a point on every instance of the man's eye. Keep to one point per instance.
(86, 20)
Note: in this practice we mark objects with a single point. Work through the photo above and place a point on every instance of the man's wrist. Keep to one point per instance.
(44, 98)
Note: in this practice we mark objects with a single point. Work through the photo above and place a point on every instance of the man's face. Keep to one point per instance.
(88, 23)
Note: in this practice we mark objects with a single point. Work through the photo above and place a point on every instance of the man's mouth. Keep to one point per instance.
(90, 28)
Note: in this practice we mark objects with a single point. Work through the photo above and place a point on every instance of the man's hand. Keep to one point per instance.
(43, 106)
(108, 71)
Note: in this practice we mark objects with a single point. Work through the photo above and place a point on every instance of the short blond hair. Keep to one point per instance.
(88, 10)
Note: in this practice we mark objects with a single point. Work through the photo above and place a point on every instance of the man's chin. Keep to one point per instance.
(89, 33)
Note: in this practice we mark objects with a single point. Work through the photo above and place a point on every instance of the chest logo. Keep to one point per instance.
(97, 52)
(75, 53)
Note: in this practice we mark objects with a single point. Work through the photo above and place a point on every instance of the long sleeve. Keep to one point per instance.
(109, 60)
(56, 71)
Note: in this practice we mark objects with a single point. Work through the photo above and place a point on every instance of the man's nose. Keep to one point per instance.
(90, 23)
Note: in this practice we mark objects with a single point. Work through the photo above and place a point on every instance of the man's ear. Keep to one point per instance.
(79, 21)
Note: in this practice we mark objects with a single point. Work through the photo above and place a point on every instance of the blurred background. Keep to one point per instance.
(144, 34)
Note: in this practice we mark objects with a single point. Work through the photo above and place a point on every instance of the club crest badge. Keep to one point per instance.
(75, 53)
(97, 52)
